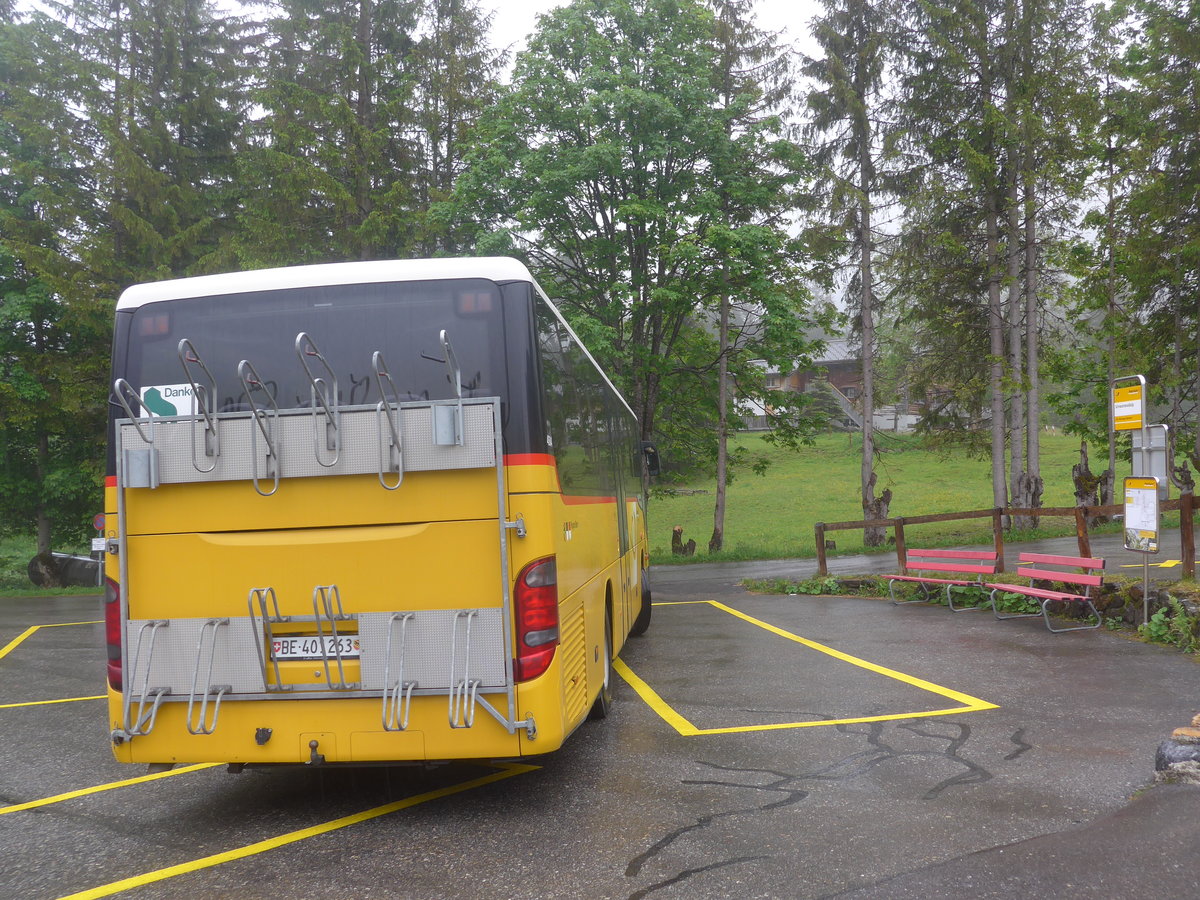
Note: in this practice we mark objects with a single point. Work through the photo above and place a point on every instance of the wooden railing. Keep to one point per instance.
(1081, 514)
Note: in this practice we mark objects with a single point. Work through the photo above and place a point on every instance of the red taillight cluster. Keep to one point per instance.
(112, 631)
(536, 602)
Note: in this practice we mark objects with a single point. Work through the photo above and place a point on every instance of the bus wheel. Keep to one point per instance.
(642, 622)
(604, 699)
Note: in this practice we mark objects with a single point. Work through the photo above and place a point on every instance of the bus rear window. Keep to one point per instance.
(347, 323)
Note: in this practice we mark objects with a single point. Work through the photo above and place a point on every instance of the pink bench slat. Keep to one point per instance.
(1037, 592)
(930, 580)
(1065, 577)
(954, 567)
(1082, 562)
(952, 554)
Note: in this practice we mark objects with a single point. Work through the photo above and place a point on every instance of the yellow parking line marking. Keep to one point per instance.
(101, 788)
(681, 724)
(15, 642)
(506, 770)
(49, 702)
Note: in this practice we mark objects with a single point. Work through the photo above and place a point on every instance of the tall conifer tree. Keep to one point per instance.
(855, 37)
(335, 165)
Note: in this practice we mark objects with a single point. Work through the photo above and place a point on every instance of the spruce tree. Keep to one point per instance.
(334, 170)
(847, 106)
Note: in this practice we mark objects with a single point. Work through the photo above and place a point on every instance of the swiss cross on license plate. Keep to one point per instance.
(312, 646)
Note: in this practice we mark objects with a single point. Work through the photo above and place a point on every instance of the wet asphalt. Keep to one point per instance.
(1146, 847)
(790, 747)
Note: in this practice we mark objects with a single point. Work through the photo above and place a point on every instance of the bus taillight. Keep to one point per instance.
(112, 631)
(536, 600)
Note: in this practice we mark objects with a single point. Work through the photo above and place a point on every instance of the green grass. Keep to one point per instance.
(772, 517)
(15, 553)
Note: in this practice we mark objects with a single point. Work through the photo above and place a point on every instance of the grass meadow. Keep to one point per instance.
(772, 516)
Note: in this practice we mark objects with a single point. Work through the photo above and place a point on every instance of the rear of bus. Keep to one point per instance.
(340, 532)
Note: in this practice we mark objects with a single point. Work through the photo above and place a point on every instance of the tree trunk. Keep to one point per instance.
(1088, 487)
(872, 537)
(717, 541)
(1016, 409)
(1033, 408)
(47, 570)
(996, 334)
(1196, 443)
(1110, 316)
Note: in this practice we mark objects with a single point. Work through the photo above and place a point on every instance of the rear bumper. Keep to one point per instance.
(346, 730)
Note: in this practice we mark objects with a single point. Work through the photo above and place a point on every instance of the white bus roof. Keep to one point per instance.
(493, 268)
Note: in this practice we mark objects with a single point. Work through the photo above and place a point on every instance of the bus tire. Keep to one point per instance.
(604, 699)
(642, 622)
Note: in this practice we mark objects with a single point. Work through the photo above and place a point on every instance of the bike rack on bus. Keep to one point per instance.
(203, 726)
(465, 690)
(259, 597)
(265, 423)
(139, 466)
(397, 694)
(324, 393)
(385, 409)
(327, 608)
(144, 721)
(203, 395)
(263, 606)
(448, 419)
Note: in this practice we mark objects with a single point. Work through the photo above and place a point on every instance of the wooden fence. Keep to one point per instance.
(1081, 514)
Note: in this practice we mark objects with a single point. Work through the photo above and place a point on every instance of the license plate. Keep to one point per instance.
(311, 646)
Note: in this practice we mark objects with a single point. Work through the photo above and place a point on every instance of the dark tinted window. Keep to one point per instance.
(588, 429)
(489, 328)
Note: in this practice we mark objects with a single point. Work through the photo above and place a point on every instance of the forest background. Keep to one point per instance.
(999, 200)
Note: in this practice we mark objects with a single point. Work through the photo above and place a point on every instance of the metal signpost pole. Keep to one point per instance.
(1147, 486)
(1142, 525)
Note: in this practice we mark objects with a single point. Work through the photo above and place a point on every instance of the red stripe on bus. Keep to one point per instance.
(110, 481)
(547, 459)
(529, 459)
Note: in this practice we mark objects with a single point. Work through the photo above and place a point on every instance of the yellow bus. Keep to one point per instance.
(362, 512)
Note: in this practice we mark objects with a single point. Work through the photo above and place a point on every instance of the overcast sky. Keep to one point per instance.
(515, 19)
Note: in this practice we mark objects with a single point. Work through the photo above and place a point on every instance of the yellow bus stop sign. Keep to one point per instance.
(1129, 407)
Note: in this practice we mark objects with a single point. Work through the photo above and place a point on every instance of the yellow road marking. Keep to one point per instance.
(101, 788)
(681, 724)
(506, 770)
(49, 702)
(15, 642)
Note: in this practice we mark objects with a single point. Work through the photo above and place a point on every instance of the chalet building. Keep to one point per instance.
(841, 368)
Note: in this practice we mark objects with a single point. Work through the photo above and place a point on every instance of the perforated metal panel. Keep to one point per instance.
(172, 658)
(364, 435)
(426, 652)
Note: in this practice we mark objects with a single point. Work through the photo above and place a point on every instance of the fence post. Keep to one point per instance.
(901, 549)
(998, 536)
(822, 567)
(1081, 531)
(1187, 534)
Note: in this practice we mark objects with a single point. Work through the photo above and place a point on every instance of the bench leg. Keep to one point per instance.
(950, 602)
(1090, 606)
(892, 593)
(996, 612)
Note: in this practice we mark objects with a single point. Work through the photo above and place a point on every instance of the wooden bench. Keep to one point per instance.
(937, 564)
(1034, 566)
